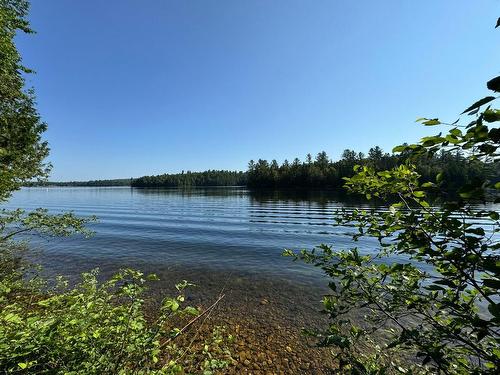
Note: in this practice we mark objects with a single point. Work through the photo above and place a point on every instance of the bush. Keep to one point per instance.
(427, 297)
(99, 328)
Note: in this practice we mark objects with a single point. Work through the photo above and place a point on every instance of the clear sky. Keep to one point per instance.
(131, 87)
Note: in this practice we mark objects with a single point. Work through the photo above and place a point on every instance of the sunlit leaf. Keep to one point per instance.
(491, 115)
(431, 122)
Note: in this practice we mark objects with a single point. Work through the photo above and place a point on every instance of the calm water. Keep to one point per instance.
(219, 229)
(225, 240)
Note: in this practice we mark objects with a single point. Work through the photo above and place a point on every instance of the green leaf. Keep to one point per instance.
(469, 191)
(445, 282)
(428, 184)
(479, 103)
(494, 309)
(432, 122)
(191, 310)
(476, 231)
(492, 265)
(487, 149)
(494, 84)
(399, 148)
(152, 277)
(492, 283)
(491, 115)
(494, 135)
(12, 318)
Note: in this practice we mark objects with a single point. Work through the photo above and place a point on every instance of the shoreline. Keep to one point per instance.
(265, 315)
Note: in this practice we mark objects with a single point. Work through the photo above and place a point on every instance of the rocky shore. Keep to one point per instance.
(264, 313)
(266, 318)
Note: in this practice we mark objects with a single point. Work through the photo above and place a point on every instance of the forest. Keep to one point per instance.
(322, 172)
(113, 182)
(189, 179)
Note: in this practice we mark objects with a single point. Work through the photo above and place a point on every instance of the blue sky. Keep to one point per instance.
(130, 88)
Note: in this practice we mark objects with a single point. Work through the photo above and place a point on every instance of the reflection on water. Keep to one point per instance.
(220, 229)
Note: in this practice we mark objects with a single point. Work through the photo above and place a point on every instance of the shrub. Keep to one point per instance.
(427, 297)
(99, 327)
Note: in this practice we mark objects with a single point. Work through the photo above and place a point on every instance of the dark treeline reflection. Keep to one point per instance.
(193, 191)
(318, 197)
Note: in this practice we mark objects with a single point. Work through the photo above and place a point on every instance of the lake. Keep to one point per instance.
(225, 240)
(220, 229)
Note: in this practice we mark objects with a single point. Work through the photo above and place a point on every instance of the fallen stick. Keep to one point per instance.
(192, 321)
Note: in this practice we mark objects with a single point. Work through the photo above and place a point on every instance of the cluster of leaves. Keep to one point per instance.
(22, 150)
(98, 328)
(17, 222)
(426, 299)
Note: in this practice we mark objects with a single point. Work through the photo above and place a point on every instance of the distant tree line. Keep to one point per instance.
(114, 182)
(188, 179)
(314, 173)
(322, 172)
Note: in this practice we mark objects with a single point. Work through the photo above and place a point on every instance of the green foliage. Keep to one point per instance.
(22, 150)
(94, 327)
(16, 222)
(429, 293)
(115, 182)
(99, 328)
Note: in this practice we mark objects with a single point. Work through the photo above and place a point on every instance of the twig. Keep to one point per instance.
(195, 319)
